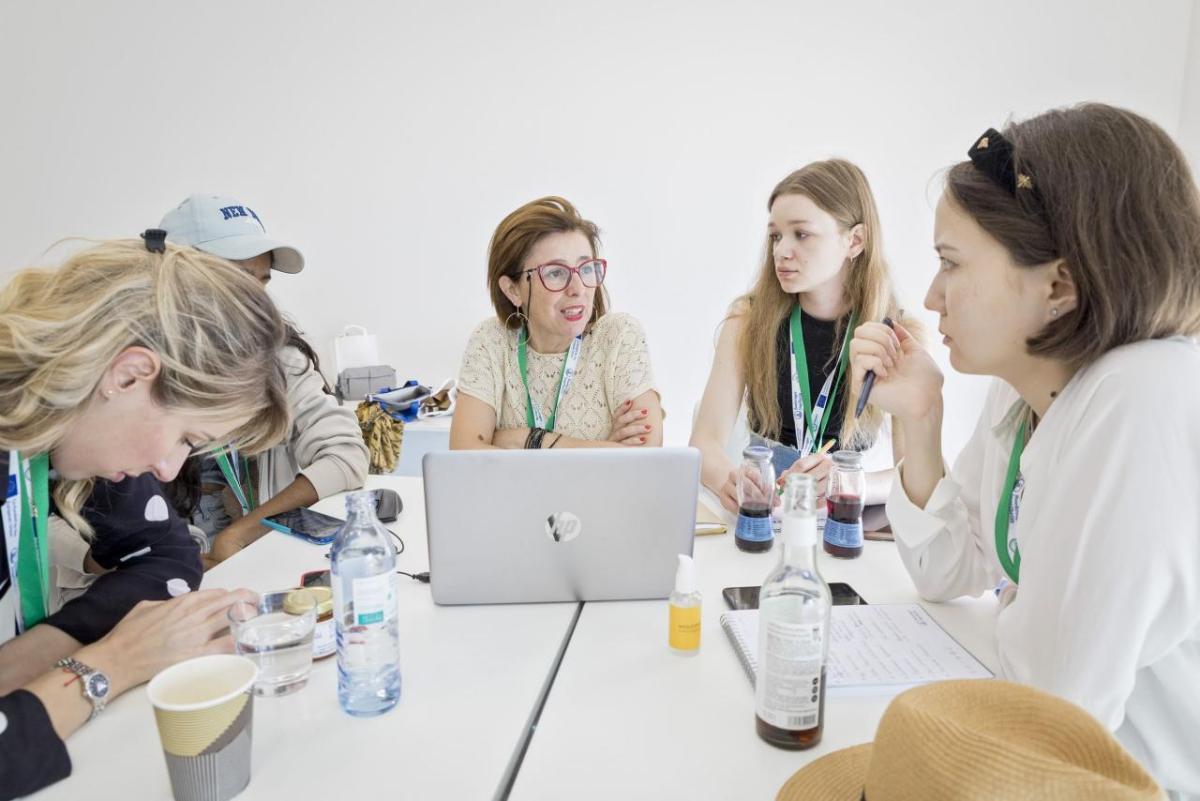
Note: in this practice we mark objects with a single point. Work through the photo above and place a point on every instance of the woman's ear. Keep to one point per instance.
(1063, 295)
(510, 289)
(131, 365)
(858, 241)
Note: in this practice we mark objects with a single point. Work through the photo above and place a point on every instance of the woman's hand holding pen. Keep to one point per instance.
(908, 384)
(818, 465)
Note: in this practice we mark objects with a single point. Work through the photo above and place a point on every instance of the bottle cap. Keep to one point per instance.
(298, 602)
(322, 595)
(758, 453)
(685, 575)
(361, 500)
(848, 460)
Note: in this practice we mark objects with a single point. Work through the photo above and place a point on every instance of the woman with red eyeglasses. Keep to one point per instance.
(552, 369)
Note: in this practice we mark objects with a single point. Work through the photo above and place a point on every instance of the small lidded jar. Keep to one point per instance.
(324, 641)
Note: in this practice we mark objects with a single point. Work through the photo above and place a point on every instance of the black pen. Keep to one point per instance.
(869, 380)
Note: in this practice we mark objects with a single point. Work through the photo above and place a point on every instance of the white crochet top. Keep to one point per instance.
(614, 366)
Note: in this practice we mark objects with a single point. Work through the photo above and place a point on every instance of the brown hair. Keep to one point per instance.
(1112, 196)
(516, 235)
(841, 190)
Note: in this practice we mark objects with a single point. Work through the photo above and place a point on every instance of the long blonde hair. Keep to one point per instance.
(841, 190)
(213, 327)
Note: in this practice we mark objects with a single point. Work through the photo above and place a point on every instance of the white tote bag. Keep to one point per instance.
(354, 347)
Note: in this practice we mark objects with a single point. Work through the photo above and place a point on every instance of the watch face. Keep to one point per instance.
(97, 685)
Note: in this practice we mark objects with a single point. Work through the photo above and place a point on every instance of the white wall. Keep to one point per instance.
(388, 139)
(1189, 116)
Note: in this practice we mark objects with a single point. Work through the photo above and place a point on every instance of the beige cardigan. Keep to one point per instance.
(325, 445)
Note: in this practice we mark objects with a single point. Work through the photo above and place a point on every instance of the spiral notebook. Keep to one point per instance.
(881, 648)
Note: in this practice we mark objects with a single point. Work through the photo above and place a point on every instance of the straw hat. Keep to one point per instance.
(980, 739)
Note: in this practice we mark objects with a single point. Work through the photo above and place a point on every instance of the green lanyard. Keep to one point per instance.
(814, 421)
(533, 415)
(33, 554)
(245, 494)
(1004, 510)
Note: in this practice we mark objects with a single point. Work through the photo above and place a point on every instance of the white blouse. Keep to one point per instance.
(1107, 613)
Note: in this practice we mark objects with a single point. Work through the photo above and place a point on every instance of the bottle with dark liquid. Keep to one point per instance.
(793, 630)
(756, 495)
(843, 526)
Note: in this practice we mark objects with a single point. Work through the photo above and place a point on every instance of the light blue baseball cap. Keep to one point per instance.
(225, 227)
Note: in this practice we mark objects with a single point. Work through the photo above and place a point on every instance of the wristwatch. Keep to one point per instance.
(95, 685)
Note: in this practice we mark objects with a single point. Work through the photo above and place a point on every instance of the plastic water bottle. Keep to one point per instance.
(363, 564)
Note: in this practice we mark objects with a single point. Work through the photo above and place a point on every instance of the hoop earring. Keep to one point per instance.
(520, 315)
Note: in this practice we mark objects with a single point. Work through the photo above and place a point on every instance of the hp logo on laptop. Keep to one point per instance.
(563, 526)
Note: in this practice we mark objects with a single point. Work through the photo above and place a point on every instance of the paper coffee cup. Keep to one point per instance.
(203, 708)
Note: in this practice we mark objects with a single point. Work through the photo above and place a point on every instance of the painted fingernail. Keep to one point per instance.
(643, 439)
(646, 427)
(645, 412)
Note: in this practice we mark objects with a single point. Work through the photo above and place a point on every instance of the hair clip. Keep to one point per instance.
(155, 239)
(992, 155)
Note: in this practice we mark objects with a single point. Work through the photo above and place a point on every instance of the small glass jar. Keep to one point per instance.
(847, 485)
(324, 641)
(756, 497)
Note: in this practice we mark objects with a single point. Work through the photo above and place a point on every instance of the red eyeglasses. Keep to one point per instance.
(556, 276)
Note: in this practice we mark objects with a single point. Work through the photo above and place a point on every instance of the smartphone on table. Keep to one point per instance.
(747, 597)
(315, 578)
(310, 526)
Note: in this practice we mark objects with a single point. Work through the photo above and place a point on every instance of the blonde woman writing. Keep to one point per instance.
(114, 368)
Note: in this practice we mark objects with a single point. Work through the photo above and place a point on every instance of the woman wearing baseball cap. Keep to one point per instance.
(325, 453)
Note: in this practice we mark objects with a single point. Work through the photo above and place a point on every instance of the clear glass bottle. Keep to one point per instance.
(756, 496)
(793, 630)
(843, 526)
(363, 565)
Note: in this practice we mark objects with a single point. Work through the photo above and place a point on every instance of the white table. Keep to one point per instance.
(627, 718)
(471, 677)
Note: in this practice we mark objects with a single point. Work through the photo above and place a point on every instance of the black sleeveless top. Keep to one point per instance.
(820, 349)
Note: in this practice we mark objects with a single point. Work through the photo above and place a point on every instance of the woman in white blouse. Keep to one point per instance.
(1069, 251)
(552, 368)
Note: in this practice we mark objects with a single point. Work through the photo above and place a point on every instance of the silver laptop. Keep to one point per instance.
(573, 525)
